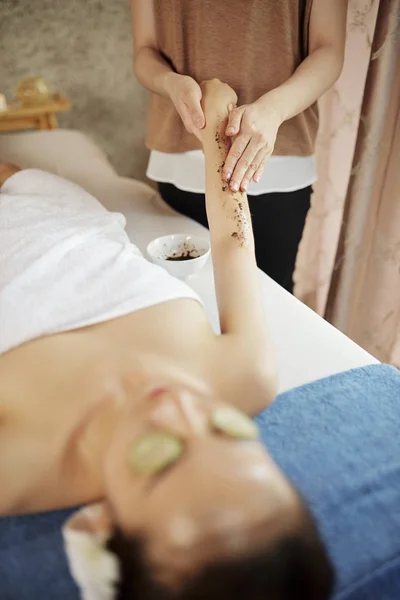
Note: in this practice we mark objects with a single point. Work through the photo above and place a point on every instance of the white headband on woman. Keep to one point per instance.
(94, 568)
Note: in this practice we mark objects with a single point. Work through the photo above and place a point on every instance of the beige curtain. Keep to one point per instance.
(349, 261)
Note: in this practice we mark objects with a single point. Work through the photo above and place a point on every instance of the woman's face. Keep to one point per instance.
(217, 494)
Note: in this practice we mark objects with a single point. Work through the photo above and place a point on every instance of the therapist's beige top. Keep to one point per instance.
(254, 45)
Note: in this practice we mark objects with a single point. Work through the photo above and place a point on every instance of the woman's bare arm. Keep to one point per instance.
(237, 278)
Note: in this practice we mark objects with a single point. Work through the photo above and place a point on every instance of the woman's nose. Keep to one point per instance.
(177, 413)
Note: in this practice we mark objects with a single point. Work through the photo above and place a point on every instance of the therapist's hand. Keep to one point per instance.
(253, 129)
(186, 94)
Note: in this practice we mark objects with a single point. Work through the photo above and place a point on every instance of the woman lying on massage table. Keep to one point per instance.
(144, 409)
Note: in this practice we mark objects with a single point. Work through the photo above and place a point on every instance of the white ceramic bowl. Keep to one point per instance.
(162, 249)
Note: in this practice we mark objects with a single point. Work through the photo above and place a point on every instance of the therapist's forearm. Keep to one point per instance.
(153, 71)
(323, 65)
(316, 74)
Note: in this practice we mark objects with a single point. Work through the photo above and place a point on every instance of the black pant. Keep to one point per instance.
(278, 223)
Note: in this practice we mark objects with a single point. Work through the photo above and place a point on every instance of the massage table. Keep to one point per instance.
(334, 428)
(308, 347)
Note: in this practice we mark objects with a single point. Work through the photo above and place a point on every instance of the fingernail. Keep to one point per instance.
(244, 186)
(199, 123)
(230, 107)
(228, 176)
(230, 130)
(256, 178)
(235, 186)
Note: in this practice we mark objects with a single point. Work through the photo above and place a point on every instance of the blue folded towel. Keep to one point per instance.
(337, 439)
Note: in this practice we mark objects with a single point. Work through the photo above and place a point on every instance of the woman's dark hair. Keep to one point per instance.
(294, 566)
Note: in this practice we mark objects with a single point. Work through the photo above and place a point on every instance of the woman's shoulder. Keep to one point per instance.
(246, 378)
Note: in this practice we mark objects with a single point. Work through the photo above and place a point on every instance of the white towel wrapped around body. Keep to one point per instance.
(66, 262)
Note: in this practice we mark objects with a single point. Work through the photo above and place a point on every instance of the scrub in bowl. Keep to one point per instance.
(180, 254)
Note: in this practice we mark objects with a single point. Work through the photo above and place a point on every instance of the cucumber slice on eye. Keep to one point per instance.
(234, 423)
(153, 452)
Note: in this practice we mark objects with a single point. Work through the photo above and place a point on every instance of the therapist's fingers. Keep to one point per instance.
(197, 133)
(253, 168)
(192, 101)
(187, 121)
(246, 161)
(234, 121)
(234, 154)
(261, 167)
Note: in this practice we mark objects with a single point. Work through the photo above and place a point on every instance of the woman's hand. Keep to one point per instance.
(186, 94)
(217, 100)
(216, 96)
(253, 129)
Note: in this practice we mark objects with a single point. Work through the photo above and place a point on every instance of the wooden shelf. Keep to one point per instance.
(35, 116)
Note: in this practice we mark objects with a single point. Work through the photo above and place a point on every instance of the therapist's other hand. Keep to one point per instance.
(253, 129)
(186, 94)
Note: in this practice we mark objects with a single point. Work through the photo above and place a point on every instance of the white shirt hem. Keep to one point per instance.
(294, 188)
(186, 171)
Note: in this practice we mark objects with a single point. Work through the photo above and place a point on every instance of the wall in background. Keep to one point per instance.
(84, 49)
